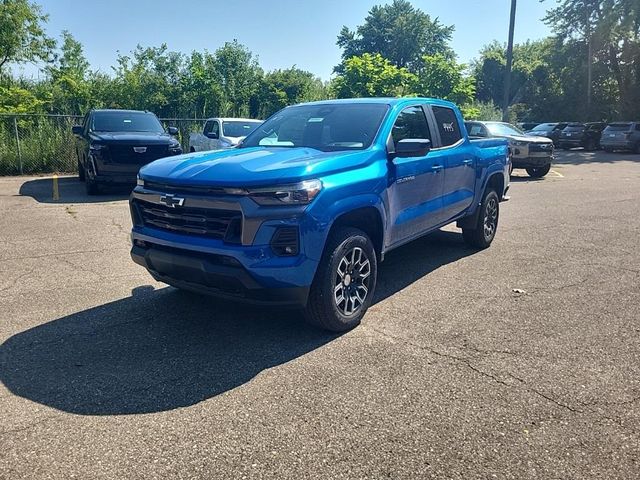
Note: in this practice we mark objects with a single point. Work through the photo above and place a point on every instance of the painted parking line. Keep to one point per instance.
(557, 174)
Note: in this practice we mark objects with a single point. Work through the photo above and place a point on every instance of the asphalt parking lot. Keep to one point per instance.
(520, 361)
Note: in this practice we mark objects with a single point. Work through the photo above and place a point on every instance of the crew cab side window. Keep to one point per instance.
(411, 123)
(447, 125)
(208, 126)
(215, 129)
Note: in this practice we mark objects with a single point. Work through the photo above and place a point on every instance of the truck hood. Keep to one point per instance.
(143, 138)
(528, 138)
(256, 166)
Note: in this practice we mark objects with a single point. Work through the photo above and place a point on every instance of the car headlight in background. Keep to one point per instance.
(301, 193)
(520, 144)
(175, 147)
(96, 147)
(139, 181)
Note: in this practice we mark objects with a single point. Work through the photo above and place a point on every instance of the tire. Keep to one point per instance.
(348, 266)
(590, 146)
(484, 231)
(538, 172)
(80, 172)
(608, 150)
(510, 168)
(93, 188)
(636, 148)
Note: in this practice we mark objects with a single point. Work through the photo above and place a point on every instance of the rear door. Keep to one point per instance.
(415, 191)
(456, 155)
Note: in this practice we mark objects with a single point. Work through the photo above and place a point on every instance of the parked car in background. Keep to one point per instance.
(534, 154)
(621, 136)
(585, 135)
(309, 204)
(219, 133)
(112, 145)
(549, 130)
(524, 126)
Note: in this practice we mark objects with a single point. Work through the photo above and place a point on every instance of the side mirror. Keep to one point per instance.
(412, 147)
(77, 129)
(172, 130)
(211, 135)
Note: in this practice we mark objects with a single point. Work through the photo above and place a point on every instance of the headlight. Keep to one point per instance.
(520, 144)
(175, 147)
(301, 193)
(139, 181)
(96, 147)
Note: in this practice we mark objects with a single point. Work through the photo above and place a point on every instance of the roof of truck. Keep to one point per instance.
(383, 100)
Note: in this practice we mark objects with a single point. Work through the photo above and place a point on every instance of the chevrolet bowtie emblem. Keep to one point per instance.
(171, 201)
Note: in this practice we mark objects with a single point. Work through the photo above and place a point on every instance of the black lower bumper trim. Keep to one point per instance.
(199, 274)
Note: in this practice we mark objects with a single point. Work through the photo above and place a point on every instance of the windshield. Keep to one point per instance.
(125, 122)
(503, 129)
(544, 127)
(575, 127)
(347, 126)
(237, 128)
(619, 127)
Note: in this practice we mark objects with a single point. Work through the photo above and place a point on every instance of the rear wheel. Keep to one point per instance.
(484, 231)
(591, 145)
(538, 172)
(345, 281)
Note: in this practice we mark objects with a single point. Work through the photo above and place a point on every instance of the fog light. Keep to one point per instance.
(285, 241)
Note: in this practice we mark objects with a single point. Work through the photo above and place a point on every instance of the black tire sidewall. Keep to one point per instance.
(485, 202)
(340, 243)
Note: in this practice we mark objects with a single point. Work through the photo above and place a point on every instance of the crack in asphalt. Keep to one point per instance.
(527, 387)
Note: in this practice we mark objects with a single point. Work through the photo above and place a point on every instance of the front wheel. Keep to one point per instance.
(345, 282)
(483, 232)
(90, 184)
(538, 172)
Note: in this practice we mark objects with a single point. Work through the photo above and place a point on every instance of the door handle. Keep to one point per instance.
(467, 161)
(437, 168)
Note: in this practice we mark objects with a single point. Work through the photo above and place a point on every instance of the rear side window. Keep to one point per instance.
(475, 130)
(411, 123)
(447, 125)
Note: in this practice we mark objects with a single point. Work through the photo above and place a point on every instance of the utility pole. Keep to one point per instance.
(507, 73)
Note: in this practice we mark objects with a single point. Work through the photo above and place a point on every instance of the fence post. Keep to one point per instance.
(15, 126)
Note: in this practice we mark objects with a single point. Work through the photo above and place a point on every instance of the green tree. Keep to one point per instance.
(22, 37)
(71, 89)
(238, 72)
(372, 75)
(280, 88)
(441, 77)
(399, 32)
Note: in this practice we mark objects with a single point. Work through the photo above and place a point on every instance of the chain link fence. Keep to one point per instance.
(31, 144)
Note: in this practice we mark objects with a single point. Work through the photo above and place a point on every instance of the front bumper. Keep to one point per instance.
(212, 274)
(619, 145)
(532, 161)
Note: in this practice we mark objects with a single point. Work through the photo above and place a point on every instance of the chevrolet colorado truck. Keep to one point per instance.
(305, 208)
(112, 145)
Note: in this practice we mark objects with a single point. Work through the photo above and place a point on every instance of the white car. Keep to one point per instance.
(220, 133)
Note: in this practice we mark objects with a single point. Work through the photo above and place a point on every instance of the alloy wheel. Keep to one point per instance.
(351, 285)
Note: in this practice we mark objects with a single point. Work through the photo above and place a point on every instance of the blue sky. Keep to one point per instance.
(281, 33)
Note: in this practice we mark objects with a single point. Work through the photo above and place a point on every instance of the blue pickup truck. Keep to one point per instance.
(305, 208)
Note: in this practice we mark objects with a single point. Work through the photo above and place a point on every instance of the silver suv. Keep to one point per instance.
(621, 136)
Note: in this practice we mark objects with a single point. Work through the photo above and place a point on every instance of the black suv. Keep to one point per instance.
(113, 144)
(585, 135)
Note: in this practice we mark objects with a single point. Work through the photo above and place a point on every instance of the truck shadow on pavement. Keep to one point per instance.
(163, 349)
(71, 190)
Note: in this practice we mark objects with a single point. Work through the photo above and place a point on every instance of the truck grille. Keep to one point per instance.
(541, 147)
(219, 224)
(127, 155)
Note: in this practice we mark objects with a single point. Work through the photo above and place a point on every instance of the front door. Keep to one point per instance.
(415, 191)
